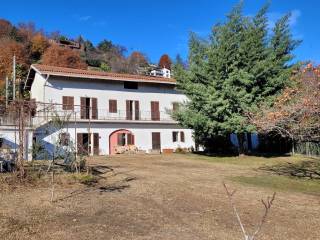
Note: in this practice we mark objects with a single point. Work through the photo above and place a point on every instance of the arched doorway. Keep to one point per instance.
(121, 137)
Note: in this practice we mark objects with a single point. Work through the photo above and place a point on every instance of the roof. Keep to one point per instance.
(91, 74)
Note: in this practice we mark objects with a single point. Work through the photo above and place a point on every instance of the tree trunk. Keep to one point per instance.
(241, 144)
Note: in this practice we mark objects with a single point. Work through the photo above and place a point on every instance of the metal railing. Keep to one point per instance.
(46, 113)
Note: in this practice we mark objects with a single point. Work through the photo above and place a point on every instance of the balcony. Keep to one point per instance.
(78, 114)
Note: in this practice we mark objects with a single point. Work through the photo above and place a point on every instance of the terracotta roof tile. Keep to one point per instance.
(79, 73)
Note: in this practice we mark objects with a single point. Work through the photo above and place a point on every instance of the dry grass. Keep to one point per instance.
(157, 197)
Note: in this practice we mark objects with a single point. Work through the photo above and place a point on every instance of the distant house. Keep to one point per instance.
(67, 44)
(161, 72)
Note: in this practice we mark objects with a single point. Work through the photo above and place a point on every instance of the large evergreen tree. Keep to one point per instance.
(232, 72)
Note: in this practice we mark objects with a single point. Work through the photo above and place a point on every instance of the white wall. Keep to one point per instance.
(142, 133)
(104, 90)
(10, 138)
(37, 88)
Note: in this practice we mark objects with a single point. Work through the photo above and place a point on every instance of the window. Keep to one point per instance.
(130, 85)
(182, 136)
(88, 108)
(155, 113)
(121, 139)
(112, 106)
(67, 103)
(175, 136)
(64, 139)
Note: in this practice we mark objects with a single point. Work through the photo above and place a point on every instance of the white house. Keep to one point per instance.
(106, 112)
(161, 72)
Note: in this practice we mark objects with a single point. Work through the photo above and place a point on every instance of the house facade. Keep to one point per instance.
(105, 113)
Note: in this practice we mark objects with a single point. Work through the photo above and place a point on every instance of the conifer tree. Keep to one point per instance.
(232, 72)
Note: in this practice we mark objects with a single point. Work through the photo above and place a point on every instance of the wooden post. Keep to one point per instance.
(14, 78)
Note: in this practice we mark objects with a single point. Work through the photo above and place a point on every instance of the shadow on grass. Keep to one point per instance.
(281, 183)
(251, 154)
(305, 169)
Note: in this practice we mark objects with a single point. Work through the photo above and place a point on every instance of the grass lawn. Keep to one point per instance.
(263, 178)
(281, 183)
(163, 197)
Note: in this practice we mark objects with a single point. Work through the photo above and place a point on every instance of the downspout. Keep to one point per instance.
(44, 87)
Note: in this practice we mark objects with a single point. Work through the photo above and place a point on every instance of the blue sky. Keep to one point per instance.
(157, 27)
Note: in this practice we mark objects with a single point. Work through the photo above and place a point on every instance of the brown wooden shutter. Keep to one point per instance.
(155, 113)
(83, 107)
(130, 139)
(136, 110)
(112, 106)
(156, 141)
(128, 110)
(64, 103)
(182, 136)
(96, 143)
(80, 143)
(94, 108)
(71, 103)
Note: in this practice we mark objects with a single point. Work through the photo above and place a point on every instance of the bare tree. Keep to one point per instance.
(267, 206)
(296, 112)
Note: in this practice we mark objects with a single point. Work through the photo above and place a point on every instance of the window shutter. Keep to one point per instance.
(64, 103)
(94, 108)
(128, 110)
(181, 136)
(71, 103)
(155, 113)
(83, 107)
(80, 143)
(67, 103)
(112, 106)
(136, 110)
(96, 143)
(130, 139)
(156, 141)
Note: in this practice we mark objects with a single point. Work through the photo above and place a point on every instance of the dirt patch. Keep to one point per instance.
(154, 197)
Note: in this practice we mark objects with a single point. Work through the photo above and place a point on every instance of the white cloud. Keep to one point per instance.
(295, 14)
(273, 17)
(84, 18)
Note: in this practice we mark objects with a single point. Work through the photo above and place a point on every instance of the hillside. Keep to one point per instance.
(31, 45)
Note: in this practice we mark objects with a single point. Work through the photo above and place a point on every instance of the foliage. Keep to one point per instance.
(105, 67)
(296, 112)
(232, 72)
(62, 57)
(39, 44)
(8, 48)
(165, 61)
(31, 45)
(105, 46)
